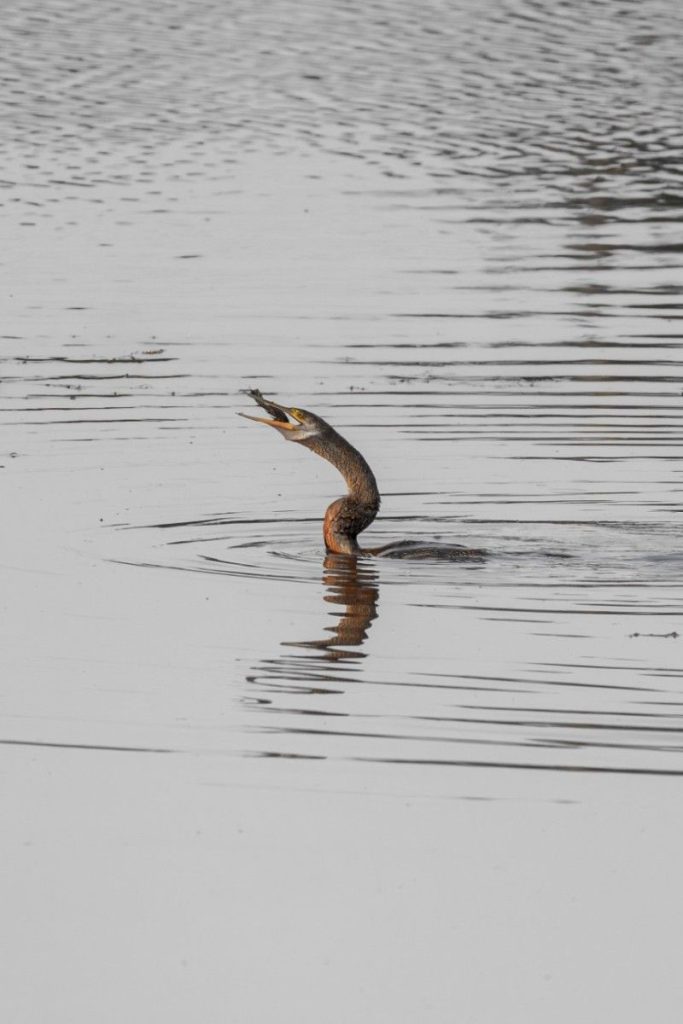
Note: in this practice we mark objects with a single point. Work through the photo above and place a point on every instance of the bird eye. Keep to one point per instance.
(296, 412)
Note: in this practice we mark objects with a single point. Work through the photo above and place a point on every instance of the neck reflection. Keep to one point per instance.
(353, 586)
(321, 667)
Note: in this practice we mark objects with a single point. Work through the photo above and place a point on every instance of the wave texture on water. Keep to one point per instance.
(453, 231)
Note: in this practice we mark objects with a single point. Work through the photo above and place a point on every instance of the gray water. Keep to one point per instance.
(247, 781)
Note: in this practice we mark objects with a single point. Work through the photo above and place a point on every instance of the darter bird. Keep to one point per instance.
(348, 516)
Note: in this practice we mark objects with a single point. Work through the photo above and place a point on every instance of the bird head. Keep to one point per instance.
(292, 423)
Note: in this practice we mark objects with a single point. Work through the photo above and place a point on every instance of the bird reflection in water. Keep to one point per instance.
(354, 585)
(323, 667)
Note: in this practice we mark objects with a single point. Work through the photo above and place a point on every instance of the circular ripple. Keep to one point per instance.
(581, 558)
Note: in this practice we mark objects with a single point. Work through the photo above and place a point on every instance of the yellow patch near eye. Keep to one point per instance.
(295, 412)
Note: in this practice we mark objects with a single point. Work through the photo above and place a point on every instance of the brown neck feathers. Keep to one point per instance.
(347, 516)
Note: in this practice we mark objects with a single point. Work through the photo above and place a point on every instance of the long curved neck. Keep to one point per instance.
(348, 460)
(347, 516)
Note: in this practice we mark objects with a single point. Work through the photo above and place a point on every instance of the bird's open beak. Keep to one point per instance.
(280, 424)
(281, 414)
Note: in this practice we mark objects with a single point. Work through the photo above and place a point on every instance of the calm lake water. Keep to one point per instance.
(245, 781)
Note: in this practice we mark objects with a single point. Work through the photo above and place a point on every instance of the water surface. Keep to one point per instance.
(454, 233)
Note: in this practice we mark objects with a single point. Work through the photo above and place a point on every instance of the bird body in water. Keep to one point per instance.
(350, 515)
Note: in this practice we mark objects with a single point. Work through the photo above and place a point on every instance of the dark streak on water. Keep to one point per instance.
(85, 746)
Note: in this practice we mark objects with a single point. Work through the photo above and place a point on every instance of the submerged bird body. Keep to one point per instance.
(350, 515)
